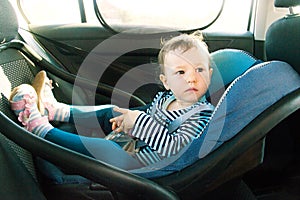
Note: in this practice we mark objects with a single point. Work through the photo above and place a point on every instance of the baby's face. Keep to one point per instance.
(187, 74)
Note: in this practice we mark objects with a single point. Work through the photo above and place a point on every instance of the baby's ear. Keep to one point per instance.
(211, 70)
(163, 79)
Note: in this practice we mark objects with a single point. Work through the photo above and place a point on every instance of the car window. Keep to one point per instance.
(121, 15)
(45, 12)
(178, 15)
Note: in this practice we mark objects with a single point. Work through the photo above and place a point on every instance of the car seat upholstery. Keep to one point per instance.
(228, 64)
(226, 151)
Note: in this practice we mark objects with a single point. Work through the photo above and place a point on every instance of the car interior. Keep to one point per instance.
(250, 150)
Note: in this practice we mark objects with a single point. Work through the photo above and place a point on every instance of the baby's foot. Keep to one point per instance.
(23, 102)
(47, 103)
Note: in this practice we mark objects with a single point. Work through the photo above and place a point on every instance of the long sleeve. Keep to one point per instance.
(156, 135)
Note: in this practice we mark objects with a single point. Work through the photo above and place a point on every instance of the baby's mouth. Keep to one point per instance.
(192, 90)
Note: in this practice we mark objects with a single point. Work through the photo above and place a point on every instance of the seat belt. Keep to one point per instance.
(174, 125)
(179, 120)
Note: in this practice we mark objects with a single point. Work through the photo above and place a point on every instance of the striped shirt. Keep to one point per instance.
(152, 128)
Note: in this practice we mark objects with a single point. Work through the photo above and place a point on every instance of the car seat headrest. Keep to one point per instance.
(286, 3)
(227, 64)
(231, 63)
(282, 38)
(8, 22)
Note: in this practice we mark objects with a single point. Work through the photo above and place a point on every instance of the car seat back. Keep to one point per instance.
(14, 70)
(17, 168)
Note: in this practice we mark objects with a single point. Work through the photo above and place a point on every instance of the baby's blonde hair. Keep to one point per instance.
(183, 43)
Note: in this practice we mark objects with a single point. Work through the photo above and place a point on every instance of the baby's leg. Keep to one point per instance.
(98, 148)
(93, 116)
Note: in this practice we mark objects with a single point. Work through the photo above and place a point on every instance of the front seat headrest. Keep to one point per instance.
(283, 37)
(8, 22)
(286, 3)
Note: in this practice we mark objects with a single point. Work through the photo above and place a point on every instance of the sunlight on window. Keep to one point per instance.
(51, 12)
(183, 15)
(175, 14)
(297, 9)
(234, 17)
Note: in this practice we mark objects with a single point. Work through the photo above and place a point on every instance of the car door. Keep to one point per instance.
(78, 28)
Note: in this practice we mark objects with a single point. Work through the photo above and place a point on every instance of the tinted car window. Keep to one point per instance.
(178, 15)
(121, 15)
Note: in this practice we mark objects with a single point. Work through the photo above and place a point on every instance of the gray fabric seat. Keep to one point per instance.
(283, 36)
(17, 168)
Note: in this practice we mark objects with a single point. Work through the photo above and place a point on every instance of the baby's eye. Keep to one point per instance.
(199, 69)
(180, 72)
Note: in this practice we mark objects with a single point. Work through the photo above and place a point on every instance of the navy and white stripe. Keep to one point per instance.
(152, 128)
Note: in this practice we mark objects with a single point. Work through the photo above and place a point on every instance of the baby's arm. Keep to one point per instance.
(165, 143)
(124, 122)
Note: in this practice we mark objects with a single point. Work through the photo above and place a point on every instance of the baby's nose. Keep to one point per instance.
(191, 77)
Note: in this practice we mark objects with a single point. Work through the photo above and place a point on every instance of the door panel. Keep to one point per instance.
(71, 44)
(81, 39)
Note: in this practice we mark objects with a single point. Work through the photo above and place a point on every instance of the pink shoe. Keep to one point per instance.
(23, 102)
(47, 103)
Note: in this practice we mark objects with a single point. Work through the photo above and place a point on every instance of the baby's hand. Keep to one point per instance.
(124, 122)
(117, 123)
